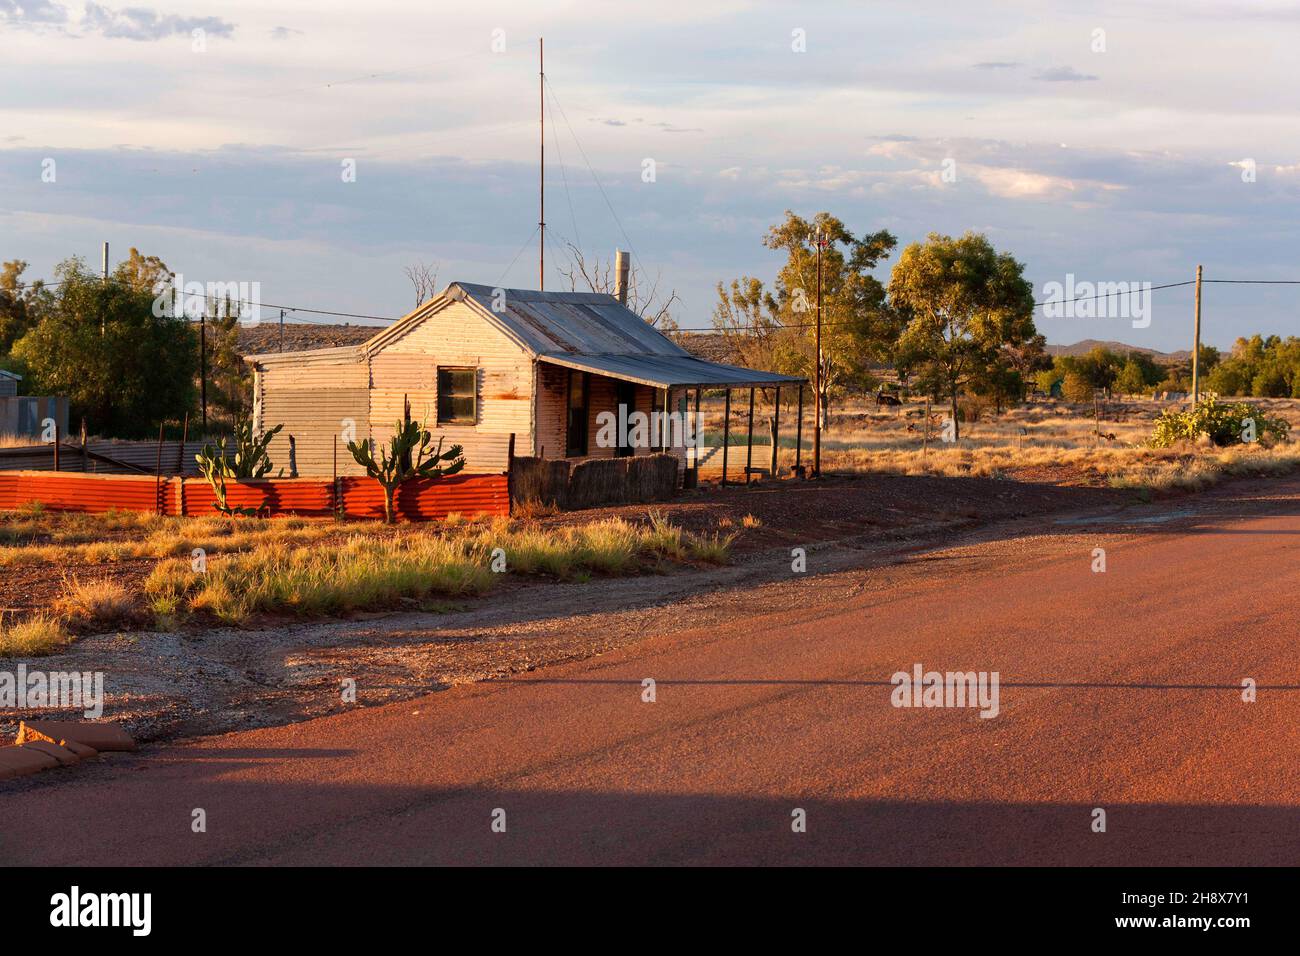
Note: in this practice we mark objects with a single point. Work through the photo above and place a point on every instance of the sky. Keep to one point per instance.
(1111, 142)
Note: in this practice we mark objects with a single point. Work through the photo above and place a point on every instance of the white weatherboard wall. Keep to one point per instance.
(314, 393)
(457, 336)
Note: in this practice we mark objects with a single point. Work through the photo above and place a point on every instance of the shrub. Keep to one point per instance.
(94, 604)
(35, 637)
(1221, 423)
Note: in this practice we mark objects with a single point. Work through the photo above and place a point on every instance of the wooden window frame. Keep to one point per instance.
(473, 419)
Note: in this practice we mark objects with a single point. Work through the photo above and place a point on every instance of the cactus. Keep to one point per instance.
(410, 454)
(247, 458)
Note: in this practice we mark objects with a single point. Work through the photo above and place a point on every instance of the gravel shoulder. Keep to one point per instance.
(170, 685)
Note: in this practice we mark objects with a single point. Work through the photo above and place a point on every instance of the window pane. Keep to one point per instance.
(456, 393)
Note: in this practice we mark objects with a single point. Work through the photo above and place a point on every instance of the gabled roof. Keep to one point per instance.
(13, 375)
(578, 323)
(589, 331)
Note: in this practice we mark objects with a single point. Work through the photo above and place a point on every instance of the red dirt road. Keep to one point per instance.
(1119, 690)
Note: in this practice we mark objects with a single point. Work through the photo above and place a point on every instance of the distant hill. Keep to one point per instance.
(1087, 345)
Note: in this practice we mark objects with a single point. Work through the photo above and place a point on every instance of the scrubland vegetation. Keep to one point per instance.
(233, 569)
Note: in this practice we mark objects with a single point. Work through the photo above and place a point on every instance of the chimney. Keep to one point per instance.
(620, 276)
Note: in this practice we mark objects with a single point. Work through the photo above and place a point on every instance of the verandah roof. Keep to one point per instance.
(669, 371)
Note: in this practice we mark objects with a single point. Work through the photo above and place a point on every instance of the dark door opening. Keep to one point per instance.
(625, 399)
(575, 443)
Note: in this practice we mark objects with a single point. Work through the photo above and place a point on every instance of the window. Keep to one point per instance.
(457, 396)
(576, 441)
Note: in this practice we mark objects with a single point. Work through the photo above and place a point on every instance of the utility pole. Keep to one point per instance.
(1196, 344)
(282, 330)
(203, 366)
(817, 391)
(104, 278)
(541, 167)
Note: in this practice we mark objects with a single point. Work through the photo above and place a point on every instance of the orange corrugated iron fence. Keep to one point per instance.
(417, 500)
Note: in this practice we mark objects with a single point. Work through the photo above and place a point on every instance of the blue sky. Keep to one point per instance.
(1115, 164)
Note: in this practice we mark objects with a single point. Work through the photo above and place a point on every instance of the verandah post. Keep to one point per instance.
(798, 437)
(726, 435)
(776, 428)
(695, 435)
(749, 440)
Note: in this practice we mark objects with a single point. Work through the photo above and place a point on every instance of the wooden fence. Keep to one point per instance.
(594, 482)
(417, 500)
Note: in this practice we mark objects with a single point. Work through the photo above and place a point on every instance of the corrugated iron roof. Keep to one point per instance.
(581, 323)
(593, 332)
(589, 331)
(669, 371)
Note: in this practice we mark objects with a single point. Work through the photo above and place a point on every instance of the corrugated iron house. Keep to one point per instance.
(485, 364)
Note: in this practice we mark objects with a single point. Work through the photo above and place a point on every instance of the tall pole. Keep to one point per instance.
(541, 167)
(1196, 344)
(817, 396)
(282, 330)
(104, 277)
(203, 367)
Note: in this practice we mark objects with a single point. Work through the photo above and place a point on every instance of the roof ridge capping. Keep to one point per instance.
(528, 295)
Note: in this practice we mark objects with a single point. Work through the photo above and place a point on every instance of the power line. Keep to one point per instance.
(203, 295)
(1037, 305)
(555, 136)
(596, 179)
(40, 283)
(527, 242)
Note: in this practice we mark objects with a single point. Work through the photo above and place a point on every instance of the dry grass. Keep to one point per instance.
(1027, 443)
(90, 605)
(34, 637)
(368, 572)
(66, 538)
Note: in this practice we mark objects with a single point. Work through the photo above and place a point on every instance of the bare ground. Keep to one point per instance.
(165, 685)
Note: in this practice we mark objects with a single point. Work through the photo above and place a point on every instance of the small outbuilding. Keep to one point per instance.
(481, 364)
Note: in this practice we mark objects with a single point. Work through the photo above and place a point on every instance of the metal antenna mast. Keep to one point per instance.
(541, 167)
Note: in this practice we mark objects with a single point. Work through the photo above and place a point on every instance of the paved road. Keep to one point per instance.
(1118, 690)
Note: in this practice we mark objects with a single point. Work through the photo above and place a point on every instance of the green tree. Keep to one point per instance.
(964, 304)
(1130, 380)
(113, 348)
(776, 329)
(1077, 387)
(21, 304)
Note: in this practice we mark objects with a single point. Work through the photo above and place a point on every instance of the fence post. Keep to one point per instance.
(180, 452)
(157, 475)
